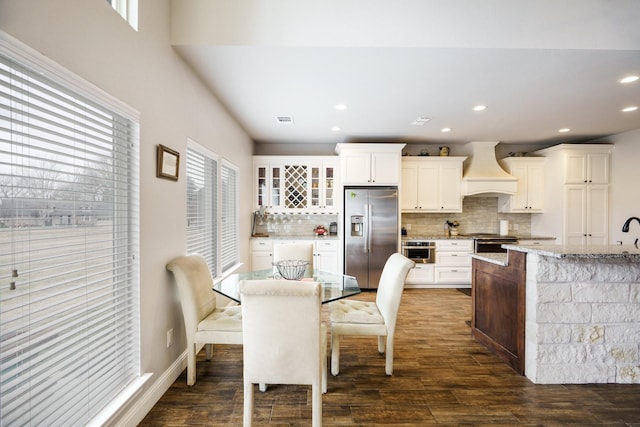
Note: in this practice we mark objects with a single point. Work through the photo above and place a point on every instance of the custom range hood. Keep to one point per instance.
(483, 175)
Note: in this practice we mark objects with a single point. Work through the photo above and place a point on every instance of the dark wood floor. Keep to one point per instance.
(441, 377)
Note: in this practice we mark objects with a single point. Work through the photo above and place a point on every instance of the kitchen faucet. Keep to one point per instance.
(625, 227)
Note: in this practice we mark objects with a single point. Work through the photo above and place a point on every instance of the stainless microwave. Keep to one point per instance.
(419, 251)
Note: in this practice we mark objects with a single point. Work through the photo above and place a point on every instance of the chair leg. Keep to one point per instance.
(316, 406)
(335, 354)
(381, 344)
(247, 414)
(262, 387)
(388, 366)
(208, 349)
(191, 364)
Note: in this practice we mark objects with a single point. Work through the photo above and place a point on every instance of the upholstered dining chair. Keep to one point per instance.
(352, 317)
(283, 339)
(205, 324)
(286, 251)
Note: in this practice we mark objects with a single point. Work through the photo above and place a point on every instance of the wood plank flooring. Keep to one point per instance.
(441, 377)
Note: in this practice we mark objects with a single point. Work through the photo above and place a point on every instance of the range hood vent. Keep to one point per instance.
(483, 175)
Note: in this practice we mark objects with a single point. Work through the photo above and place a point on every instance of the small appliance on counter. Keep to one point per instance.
(333, 229)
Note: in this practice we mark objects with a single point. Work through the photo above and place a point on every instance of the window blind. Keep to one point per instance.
(229, 221)
(69, 277)
(202, 194)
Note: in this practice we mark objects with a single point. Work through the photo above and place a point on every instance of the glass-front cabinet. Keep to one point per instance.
(296, 183)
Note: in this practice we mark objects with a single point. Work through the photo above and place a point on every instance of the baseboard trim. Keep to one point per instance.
(143, 405)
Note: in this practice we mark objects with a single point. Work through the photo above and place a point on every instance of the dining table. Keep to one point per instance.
(335, 286)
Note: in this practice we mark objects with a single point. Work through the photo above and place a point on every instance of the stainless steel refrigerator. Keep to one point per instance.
(371, 232)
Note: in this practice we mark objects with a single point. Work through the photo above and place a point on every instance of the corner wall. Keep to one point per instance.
(142, 70)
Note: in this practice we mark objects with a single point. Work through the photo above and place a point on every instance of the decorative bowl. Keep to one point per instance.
(291, 269)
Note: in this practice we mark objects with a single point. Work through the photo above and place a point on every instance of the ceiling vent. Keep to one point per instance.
(285, 120)
(483, 175)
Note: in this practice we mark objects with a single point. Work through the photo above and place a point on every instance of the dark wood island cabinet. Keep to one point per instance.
(498, 316)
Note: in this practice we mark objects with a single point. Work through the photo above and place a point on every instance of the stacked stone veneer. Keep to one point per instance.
(582, 320)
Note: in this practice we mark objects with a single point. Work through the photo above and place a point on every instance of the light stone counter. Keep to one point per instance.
(582, 314)
(494, 258)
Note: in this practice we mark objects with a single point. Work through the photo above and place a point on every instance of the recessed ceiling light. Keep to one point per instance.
(629, 109)
(336, 129)
(564, 130)
(445, 130)
(629, 79)
(340, 107)
(479, 108)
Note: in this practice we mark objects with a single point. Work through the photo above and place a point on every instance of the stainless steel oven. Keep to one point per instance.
(419, 251)
(491, 243)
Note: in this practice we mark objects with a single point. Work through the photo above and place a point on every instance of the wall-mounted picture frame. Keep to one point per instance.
(168, 163)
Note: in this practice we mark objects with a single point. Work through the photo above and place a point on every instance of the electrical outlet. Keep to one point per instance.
(515, 226)
(169, 337)
(408, 227)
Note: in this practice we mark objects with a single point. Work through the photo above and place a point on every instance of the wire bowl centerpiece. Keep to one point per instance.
(291, 269)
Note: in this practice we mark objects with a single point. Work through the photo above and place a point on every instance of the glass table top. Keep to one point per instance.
(334, 286)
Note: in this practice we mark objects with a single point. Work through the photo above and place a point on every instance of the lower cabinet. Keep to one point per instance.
(421, 274)
(325, 254)
(453, 262)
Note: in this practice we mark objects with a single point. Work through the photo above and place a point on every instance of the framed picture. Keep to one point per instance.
(168, 163)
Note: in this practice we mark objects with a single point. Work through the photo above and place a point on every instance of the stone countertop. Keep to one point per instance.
(501, 258)
(435, 237)
(580, 251)
(532, 237)
(295, 237)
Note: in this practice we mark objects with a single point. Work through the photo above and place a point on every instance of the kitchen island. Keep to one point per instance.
(581, 311)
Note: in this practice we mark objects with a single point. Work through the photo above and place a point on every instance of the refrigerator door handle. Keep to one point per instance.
(368, 244)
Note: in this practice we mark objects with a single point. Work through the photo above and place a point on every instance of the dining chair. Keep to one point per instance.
(284, 340)
(352, 317)
(286, 251)
(204, 323)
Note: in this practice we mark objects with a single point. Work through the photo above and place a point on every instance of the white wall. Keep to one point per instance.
(142, 70)
(624, 194)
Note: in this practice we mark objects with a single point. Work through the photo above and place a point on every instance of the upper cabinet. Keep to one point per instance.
(584, 167)
(296, 183)
(431, 184)
(370, 164)
(530, 195)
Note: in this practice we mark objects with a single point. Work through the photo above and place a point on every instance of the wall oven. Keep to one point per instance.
(419, 251)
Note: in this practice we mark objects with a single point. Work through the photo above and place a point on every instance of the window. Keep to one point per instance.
(230, 231)
(202, 194)
(128, 9)
(69, 275)
(210, 198)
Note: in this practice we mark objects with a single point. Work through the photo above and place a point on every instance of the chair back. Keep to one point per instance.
(195, 287)
(281, 331)
(285, 251)
(390, 288)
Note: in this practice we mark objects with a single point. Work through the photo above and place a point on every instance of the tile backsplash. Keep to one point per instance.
(279, 224)
(479, 215)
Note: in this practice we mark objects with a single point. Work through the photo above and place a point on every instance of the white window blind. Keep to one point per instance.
(229, 222)
(202, 194)
(69, 280)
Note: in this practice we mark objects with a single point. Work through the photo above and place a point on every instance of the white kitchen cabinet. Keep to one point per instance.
(421, 274)
(269, 182)
(296, 183)
(586, 216)
(586, 167)
(325, 253)
(261, 254)
(453, 262)
(431, 184)
(530, 194)
(577, 193)
(324, 192)
(325, 256)
(370, 164)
